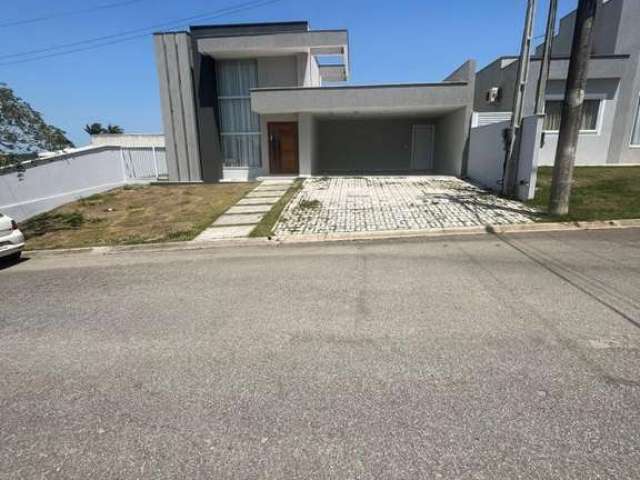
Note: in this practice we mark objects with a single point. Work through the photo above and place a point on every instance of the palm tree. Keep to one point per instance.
(114, 129)
(94, 128)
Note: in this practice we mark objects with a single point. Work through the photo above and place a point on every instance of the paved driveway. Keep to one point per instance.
(376, 203)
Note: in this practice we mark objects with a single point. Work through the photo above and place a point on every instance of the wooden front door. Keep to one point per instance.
(283, 147)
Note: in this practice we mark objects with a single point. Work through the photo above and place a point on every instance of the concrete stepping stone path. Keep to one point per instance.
(223, 233)
(249, 209)
(265, 194)
(240, 220)
(257, 201)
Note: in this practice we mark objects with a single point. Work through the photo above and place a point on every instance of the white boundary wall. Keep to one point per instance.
(39, 185)
(134, 140)
(487, 155)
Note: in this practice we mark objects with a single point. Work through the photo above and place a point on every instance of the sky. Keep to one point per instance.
(390, 41)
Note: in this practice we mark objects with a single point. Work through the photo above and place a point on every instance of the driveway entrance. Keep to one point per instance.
(360, 204)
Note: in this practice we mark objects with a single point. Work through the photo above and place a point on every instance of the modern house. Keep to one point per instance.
(610, 124)
(241, 101)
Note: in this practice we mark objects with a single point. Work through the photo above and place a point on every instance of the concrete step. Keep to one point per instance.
(269, 188)
(258, 201)
(277, 178)
(239, 219)
(249, 209)
(221, 233)
(267, 194)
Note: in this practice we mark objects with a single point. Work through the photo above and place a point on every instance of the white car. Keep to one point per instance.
(11, 239)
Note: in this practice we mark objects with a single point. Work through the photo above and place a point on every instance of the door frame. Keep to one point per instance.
(433, 144)
(270, 143)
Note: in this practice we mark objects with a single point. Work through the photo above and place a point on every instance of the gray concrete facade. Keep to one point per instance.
(337, 126)
(174, 62)
(285, 54)
(614, 79)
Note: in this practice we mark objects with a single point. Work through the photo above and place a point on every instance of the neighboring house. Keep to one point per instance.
(610, 124)
(240, 101)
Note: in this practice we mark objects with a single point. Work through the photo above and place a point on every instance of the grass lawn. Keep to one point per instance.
(268, 222)
(133, 214)
(599, 193)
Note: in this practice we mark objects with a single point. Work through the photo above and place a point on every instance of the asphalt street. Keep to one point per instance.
(472, 357)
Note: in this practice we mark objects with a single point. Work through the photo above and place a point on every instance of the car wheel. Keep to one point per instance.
(15, 257)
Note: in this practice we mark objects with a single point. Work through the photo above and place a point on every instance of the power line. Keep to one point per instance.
(169, 24)
(65, 13)
(127, 35)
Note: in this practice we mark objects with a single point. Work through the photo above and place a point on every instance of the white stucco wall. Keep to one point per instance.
(529, 156)
(307, 144)
(128, 140)
(486, 155)
(315, 79)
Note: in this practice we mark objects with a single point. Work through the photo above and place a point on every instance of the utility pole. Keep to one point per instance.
(572, 107)
(510, 171)
(546, 57)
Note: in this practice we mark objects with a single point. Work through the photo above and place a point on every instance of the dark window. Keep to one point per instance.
(590, 111)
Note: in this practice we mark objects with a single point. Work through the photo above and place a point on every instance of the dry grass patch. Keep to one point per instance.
(134, 214)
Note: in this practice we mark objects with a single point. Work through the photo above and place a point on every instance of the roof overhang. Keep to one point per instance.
(368, 99)
(319, 42)
(599, 67)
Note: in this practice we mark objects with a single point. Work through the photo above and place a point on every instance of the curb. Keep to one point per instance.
(345, 237)
(475, 230)
(152, 247)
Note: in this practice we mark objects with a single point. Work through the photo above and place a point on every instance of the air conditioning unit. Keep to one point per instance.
(494, 94)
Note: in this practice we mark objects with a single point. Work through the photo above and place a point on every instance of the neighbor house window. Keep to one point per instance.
(635, 133)
(239, 126)
(590, 111)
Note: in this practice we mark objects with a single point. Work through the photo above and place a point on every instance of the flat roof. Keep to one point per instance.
(373, 85)
(244, 44)
(303, 23)
(616, 56)
(401, 98)
(239, 29)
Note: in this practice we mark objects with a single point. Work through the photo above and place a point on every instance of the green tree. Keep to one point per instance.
(94, 128)
(114, 129)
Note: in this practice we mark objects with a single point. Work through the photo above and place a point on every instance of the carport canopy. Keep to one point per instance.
(404, 128)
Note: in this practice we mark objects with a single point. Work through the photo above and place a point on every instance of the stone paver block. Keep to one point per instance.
(368, 204)
(221, 233)
(249, 209)
(258, 201)
(239, 219)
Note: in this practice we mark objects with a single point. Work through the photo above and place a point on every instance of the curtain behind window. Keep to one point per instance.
(239, 126)
(553, 115)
